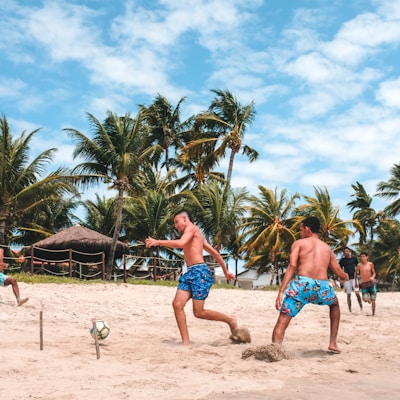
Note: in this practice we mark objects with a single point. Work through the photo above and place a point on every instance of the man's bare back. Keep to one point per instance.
(313, 257)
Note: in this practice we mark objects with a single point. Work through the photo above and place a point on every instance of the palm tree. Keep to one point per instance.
(365, 214)
(119, 149)
(165, 125)
(391, 190)
(22, 187)
(221, 213)
(45, 220)
(386, 252)
(100, 214)
(151, 214)
(219, 129)
(270, 228)
(334, 231)
(189, 177)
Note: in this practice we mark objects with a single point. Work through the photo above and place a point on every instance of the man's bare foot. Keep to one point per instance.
(23, 301)
(240, 335)
(334, 350)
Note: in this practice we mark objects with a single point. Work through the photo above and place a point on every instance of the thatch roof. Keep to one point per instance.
(79, 239)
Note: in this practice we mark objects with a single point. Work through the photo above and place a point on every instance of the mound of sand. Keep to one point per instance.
(269, 353)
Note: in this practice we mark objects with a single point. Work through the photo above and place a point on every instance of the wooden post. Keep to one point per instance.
(41, 329)
(32, 260)
(96, 339)
(103, 265)
(124, 263)
(70, 262)
(154, 267)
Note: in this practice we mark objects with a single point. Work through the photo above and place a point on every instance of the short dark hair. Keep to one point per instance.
(183, 212)
(365, 253)
(313, 223)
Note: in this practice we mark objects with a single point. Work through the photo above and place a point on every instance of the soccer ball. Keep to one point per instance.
(102, 328)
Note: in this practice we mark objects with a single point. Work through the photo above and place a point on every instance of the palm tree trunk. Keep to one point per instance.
(230, 168)
(117, 231)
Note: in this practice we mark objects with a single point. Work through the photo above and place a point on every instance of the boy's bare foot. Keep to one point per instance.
(240, 335)
(333, 350)
(23, 301)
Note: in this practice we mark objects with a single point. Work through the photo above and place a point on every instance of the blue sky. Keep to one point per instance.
(324, 76)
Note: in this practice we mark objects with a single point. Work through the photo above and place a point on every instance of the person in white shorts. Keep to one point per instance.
(349, 263)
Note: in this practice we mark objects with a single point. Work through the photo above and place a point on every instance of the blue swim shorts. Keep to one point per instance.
(3, 278)
(302, 291)
(197, 280)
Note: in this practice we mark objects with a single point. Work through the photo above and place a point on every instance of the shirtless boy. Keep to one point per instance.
(366, 270)
(310, 259)
(197, 281)
(6, 280)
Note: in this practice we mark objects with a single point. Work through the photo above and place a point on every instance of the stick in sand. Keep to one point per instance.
(96, 340)
(41, 329)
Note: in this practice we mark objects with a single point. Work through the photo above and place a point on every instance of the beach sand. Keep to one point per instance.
(143, 359)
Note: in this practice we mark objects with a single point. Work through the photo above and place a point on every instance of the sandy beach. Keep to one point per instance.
(143, 359)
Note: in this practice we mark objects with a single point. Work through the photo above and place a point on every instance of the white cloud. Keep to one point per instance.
(388, 93)
(12, 88)
(325, 83)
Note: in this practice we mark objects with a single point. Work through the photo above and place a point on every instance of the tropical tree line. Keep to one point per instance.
(156, 163)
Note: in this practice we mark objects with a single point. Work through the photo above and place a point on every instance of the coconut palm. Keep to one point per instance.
(269, 230)
(221, 213)
(386, 252)
(365, 214)
(151, 214)
(45, 220)
(334, 231)
(99, 214)
(188, 174)
(116, 153)
(165, 125)
(23, 189)
(391, 190)
(218, 130)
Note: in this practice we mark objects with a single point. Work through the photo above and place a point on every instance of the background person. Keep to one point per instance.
(6, 280)
(366, 270)
(349, 263)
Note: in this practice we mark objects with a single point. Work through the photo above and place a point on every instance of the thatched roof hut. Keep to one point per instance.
(86, 245)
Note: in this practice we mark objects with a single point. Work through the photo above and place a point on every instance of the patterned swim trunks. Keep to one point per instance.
(302, 291)
(368, 291)
(198, 280)
(3, 278)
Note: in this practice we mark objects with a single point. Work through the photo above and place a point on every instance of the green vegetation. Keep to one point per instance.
(155, 163)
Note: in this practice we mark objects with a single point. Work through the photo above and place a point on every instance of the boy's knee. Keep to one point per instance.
(10, 281)
(198, 313)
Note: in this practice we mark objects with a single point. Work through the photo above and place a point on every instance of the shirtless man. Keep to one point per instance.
(6, 280)
(197, 281)
(310, 259)
(366, 270)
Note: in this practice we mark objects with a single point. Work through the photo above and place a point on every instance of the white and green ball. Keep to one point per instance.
(102, 328)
